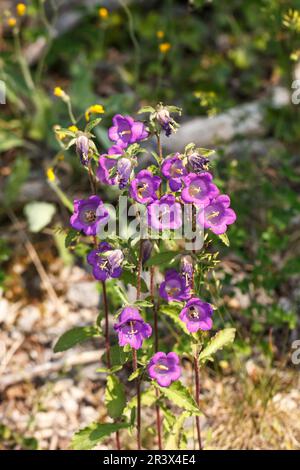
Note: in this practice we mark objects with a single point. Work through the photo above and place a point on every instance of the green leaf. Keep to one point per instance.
(180, 396)
(117, 356)
(146, 109)
(136, 374)
(174, 437)
(89, 437)
(71, 237)
(17, 178)
(172, 311)
(161, 258)
(221, 339)
(121, 294)
(206, 152)
(75, 336)
(39, 214)
(115, 398)
(9, 141)
(143, 303)
(105, 370)
(92, 124)
(224, 238)
(130, 277)
(148, 398)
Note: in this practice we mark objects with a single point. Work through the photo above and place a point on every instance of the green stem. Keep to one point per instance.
(70, 111)
(22, 61)
(133, 39)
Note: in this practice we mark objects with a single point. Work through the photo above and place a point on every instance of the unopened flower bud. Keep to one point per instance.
(197, 162)
(82, 148)
(186, 269)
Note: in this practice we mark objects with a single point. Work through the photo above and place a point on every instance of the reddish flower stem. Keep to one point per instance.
(197, 398)
(106, 327)
(196, 368)
(152, 292)
(106, 332)
(134, 353)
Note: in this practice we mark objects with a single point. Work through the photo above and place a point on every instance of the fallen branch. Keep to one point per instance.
(244, 120)
(72, 360)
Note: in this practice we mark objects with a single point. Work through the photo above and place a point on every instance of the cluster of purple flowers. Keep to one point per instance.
(188, 181)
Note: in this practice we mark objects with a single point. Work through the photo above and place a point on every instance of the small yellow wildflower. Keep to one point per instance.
(21, 9)
(58, 91)
(73, 128)
(160, 34)
(50, 174)
(103, 13)
(12, 22)
(164, 47)
(95, 109)
(60, 134)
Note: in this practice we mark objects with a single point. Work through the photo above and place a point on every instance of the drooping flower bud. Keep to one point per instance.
(198, 162)
(186, 269)
(124, 172)
(82, 148)
(163, 117)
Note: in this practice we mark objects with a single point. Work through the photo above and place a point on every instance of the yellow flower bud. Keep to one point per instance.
(12, 22)
(58, 92)
(73, 128)
(95, 109)
(21, 9)
(103, 13)
(50, 174)
(160, 34)
(164, 47)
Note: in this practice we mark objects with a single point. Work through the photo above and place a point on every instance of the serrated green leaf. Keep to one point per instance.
(174, 437)
(89, 437)
(179, 395)
(92, 124)
(75, 336)
(39, 214)
(115, 398)
(224, 238)
(221, 339)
